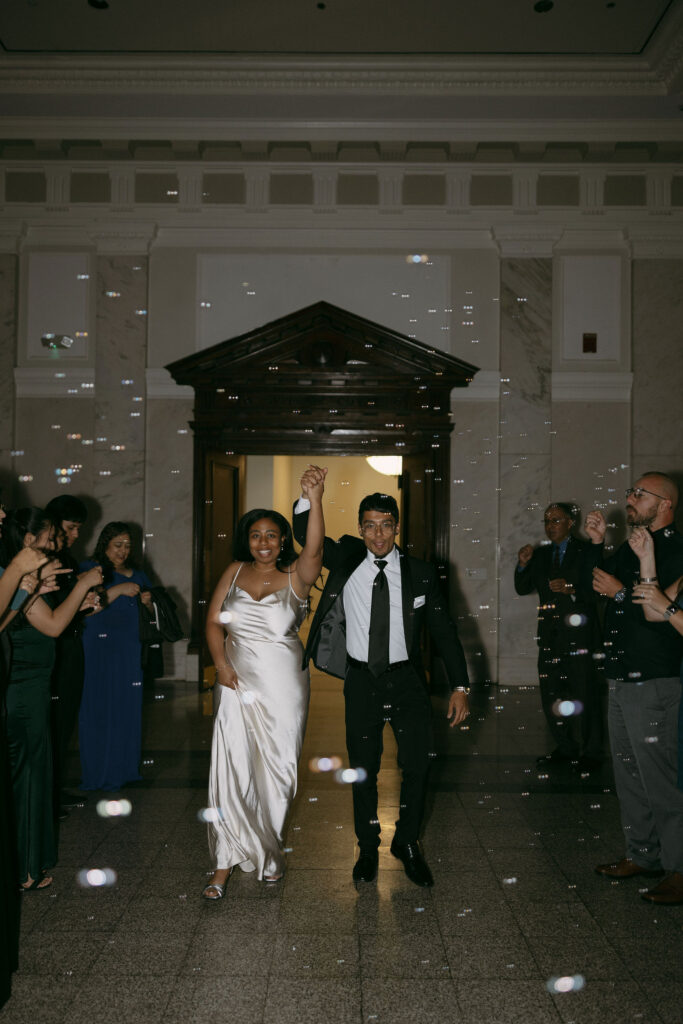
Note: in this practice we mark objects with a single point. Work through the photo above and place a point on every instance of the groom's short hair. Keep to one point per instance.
(378, 503)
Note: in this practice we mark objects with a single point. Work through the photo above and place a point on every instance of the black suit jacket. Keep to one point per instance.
(554, 631)
(422, 601)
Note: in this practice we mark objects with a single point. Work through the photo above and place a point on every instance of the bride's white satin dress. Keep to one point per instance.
(258, 730)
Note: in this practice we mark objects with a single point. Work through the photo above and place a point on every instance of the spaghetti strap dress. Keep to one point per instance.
(258, 730)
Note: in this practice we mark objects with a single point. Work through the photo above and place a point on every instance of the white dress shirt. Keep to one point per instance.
(357, 598)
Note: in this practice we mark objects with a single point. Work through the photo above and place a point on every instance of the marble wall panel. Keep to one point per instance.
(591, 457)
(8, 330)
(475, 301)
(120, 360)
(53, 434)
(526, 354)
(525, 490)
(658, 367)
(119, 485)
(473, 538)
(169, 500)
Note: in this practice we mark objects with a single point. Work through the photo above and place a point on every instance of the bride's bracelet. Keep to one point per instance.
(648, 579)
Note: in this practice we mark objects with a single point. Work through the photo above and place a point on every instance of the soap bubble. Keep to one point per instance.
(96, 878)
(325, 764)
(567, 983)
(347, 775)
(209, 814)
(114, 808)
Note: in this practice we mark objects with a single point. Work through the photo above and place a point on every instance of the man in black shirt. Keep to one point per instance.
(642, 665)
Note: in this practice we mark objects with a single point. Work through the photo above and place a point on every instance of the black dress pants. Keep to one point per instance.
(399, 697)
(568, 673)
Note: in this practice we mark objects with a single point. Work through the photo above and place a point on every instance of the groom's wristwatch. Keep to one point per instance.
(620, 594)
(461, 689)
(671, 610)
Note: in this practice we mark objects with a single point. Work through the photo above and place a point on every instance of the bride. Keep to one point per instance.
(262, 692)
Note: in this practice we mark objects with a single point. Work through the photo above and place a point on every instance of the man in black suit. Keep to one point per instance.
(567, 637)
(367, 630)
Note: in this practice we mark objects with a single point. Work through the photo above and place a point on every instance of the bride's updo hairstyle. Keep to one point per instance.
(240, 545)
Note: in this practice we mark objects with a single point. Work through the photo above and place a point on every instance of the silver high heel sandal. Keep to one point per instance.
(218, 887)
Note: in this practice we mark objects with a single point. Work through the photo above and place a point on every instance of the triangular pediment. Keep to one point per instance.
(316, 342)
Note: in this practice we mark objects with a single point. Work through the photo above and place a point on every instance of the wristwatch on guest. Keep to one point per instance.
(620, 595)
(461, 689)
(671, 610)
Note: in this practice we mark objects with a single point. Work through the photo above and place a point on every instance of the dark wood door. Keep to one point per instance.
(422, 533)
(416, 535)
(224, 489)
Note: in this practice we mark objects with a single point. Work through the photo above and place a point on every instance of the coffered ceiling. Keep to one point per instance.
(456, 27)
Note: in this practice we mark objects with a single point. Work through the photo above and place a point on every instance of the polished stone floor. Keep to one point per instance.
(516, 904)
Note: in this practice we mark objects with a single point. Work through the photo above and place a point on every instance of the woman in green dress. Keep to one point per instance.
(27, 561)
(32, 637)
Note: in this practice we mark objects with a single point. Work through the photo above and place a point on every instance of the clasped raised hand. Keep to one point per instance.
(313, 482)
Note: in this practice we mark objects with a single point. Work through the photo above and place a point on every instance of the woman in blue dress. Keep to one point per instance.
(110, 719)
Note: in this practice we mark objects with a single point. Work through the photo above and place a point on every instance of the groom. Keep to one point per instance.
(367, 630)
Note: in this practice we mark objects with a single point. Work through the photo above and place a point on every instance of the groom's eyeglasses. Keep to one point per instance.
(388, 526)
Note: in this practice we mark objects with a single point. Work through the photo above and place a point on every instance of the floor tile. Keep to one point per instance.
(505, 1002)
(295, 1001)
(395, 1001)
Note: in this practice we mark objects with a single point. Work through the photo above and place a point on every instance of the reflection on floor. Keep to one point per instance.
(515, 904)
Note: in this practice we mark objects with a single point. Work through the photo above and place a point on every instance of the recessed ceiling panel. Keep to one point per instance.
(448, 27)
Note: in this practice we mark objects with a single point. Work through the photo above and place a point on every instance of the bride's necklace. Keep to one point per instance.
(264, 578)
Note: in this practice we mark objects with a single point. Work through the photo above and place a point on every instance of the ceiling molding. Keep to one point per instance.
(397, 131)
(591, 386)
(209, 74)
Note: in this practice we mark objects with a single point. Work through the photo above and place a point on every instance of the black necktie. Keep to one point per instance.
(556, 558)
(378, 650)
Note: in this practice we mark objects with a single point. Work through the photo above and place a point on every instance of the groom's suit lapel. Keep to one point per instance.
(406, 599)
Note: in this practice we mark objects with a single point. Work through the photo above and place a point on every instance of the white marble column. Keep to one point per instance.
(525, 442)
(658, 366)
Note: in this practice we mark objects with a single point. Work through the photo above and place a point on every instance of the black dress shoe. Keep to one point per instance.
(416, 866)
(70, 798)
(365, 868)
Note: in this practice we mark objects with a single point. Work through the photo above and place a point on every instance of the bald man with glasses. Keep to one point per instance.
(367, 630)
(642, 664)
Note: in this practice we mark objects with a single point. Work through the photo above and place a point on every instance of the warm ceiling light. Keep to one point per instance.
(387, 465)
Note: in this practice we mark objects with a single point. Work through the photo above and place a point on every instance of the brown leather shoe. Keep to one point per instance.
(627, 868)
(669, 892)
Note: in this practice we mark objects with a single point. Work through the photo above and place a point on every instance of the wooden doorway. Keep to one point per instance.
(323, 380)
(223, 505)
